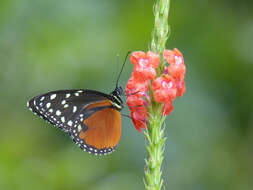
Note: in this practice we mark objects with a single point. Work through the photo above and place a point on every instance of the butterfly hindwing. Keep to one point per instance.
(98, 128)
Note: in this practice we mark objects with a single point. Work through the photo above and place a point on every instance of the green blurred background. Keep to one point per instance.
(61, 44)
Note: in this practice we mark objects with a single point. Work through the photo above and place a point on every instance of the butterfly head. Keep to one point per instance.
(115, 98)
(118, 91)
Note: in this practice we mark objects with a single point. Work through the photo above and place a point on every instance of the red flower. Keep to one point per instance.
(170, 55)
(134, 101)
(176, 69)
(167, 108)
(154, 59)
(175, 59)
(180, 87)
(136, 92)
(165, 87)
(139, 117)
(136, 87)
(144, 65)
(136, 56)
(150, 58)
(144, 72)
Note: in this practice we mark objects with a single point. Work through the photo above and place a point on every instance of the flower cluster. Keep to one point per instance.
(144, 79)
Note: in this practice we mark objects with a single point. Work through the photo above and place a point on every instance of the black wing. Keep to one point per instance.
(61, 108)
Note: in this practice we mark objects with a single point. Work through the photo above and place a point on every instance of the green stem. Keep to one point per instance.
(155, 149)
(155, 130)
(161, 29)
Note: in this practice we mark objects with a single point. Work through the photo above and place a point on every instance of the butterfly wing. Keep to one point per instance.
(87, 115)
(60, 107)
(100, 129)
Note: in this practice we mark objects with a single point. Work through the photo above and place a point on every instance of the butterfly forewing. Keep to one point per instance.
(60, 108)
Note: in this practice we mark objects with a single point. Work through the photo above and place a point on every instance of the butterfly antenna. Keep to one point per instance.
(117, 82)
(117, 67)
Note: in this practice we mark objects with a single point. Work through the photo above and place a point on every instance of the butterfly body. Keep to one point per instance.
(90, 117)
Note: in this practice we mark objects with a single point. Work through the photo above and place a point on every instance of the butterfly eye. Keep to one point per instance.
(120, 91)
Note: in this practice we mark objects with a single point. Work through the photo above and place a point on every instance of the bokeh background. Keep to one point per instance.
(61, 44)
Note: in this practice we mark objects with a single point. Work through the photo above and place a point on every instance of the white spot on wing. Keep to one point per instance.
(74, 109)
(63, 119)
(70, 123)
(53, 96)
(76, 94)
(66, 105)
(63, 102)
(48, 104)
(58, 112)
(67, 95)
(79, 128)
(42, 98)
(51, 110)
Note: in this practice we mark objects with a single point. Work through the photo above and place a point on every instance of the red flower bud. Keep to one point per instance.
(167, 108)
(180, 88)
(139, 115)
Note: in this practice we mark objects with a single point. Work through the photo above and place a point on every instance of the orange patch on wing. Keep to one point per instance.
(104, 127)
(98, 104)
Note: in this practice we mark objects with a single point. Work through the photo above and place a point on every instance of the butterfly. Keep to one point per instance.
(91, 118)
